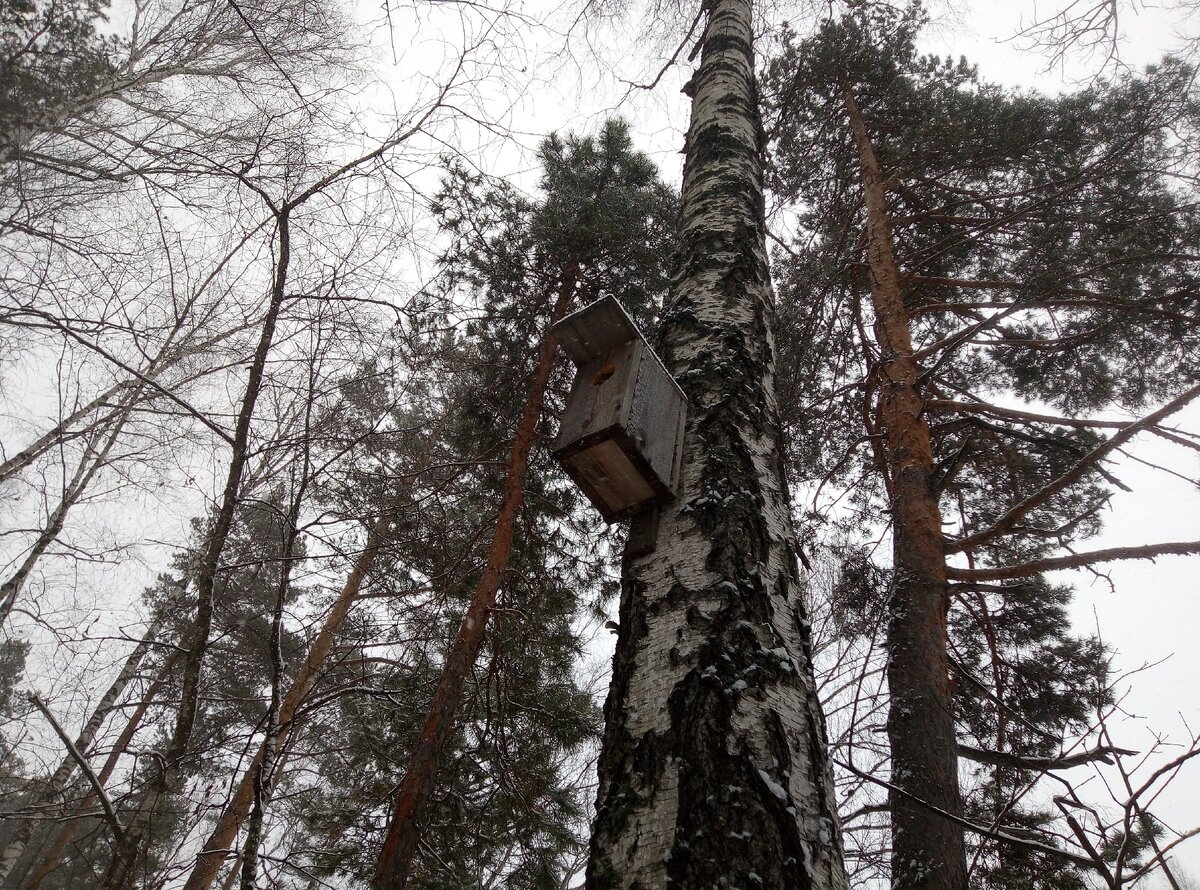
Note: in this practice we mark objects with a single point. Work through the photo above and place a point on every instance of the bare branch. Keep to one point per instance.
(1074, 561)
(1081, 861)
(110, 813)
(1103, 754)
(1005, 523)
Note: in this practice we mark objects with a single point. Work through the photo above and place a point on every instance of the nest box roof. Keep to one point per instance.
(595, 329)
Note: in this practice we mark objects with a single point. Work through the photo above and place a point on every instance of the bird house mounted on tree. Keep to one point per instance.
(621, 434)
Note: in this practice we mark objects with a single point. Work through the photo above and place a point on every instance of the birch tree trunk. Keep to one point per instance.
(928, 851)
(58, 780)
(90, 463)
(714, 770)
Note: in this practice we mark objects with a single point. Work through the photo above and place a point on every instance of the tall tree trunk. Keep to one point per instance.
(416, 789)
(714, 768)
(168, 772)
(57, 782)
(50, 859)
(265, 768)
(224, 833)
(928, 852)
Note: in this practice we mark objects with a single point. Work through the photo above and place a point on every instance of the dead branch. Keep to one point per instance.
(110, 813)
(1074, 561)
(1103, 754)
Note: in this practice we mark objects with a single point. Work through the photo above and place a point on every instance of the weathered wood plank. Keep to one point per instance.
(594, 330)
(598, 394)
(607, 475)
(620, 431)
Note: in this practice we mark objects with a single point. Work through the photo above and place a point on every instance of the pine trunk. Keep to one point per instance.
(420, 779)
(714, 771)
(225, 832)
(928, 851)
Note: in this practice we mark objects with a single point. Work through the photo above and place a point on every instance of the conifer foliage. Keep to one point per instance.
(960, 248)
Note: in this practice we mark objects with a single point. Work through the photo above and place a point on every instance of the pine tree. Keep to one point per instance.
(598, 198)
(965, 242)
(50, 53)
(432, 421)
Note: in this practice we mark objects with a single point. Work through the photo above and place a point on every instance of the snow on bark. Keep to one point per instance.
(713, 771)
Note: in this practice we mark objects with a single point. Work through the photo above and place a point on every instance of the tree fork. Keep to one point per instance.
(928, 850)
(416, 789)
(714, 770)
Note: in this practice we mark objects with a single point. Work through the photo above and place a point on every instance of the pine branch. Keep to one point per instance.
(1074, 561)
(1024, 416)
(1005, 523)
(1067, 761)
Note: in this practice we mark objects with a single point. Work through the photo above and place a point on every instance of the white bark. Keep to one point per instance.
(714, 770)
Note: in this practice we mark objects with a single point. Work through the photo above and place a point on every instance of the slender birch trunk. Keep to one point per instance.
(57, 782)
(60, 433)
(50, 859)
(928, 851)
(714, 769)
(90, 463)
(420, 779)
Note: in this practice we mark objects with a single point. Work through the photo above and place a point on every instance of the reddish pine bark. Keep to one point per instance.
(420, 779)
(224, 833)
(928, 851)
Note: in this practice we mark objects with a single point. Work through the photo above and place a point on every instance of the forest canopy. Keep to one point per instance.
(294, 593)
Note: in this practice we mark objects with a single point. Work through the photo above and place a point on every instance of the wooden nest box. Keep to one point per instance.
(621, 434)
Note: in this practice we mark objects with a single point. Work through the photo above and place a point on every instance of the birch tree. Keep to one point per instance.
(713, 769)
